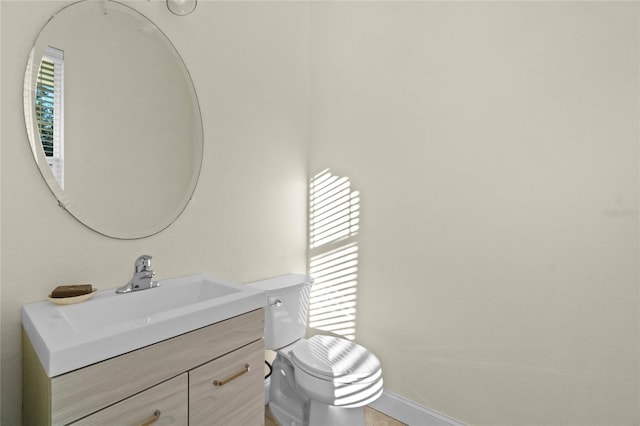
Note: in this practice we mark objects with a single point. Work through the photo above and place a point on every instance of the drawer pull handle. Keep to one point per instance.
(233, 377)
(152, 420)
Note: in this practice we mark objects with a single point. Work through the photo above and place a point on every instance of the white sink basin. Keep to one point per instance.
(68, 337)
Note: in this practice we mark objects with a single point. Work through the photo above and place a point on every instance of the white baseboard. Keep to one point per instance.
(409, 412)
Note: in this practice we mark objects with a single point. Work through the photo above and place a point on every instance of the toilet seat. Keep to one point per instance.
(336, 371)
(335, 359)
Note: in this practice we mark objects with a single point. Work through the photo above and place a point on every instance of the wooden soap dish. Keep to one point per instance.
(73, 299)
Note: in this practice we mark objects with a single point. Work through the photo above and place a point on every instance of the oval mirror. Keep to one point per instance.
(113, 119)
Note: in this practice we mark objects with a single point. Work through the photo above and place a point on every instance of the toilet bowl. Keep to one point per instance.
(336, 371)
(321, 380)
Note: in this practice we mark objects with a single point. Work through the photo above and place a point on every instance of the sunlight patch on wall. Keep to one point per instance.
(333, 259)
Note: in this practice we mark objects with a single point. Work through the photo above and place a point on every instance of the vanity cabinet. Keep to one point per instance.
(210, 376)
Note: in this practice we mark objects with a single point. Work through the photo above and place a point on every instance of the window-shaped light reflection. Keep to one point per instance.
(334, 215)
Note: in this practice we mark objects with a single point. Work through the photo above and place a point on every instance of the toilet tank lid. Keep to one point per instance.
(282, 283)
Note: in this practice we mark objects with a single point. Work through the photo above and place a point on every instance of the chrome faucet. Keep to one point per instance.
(142, 274)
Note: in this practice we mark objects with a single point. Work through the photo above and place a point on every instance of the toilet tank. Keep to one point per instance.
(287, 308)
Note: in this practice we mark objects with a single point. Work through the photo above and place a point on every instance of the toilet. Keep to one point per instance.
(321, 380)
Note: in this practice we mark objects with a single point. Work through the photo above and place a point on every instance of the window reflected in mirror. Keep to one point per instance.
(50, 110)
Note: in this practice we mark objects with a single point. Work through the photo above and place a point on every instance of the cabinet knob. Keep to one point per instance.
(232, 377)
(152, 420)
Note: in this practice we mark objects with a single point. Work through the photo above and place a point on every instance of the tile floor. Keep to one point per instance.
(371, 418)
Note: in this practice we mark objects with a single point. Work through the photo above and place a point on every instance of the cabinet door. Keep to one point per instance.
(163, 404)
(229, 390)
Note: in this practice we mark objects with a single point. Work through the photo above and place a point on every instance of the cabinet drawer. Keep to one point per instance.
(222, 392)
(169, 398)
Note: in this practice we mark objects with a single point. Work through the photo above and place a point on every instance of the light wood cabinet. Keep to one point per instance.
(177, 374)
(229, 390)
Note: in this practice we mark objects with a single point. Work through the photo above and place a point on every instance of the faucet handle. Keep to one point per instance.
(143, 263)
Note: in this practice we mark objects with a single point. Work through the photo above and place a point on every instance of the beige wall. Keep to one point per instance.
(495, 148)
(249, 63)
